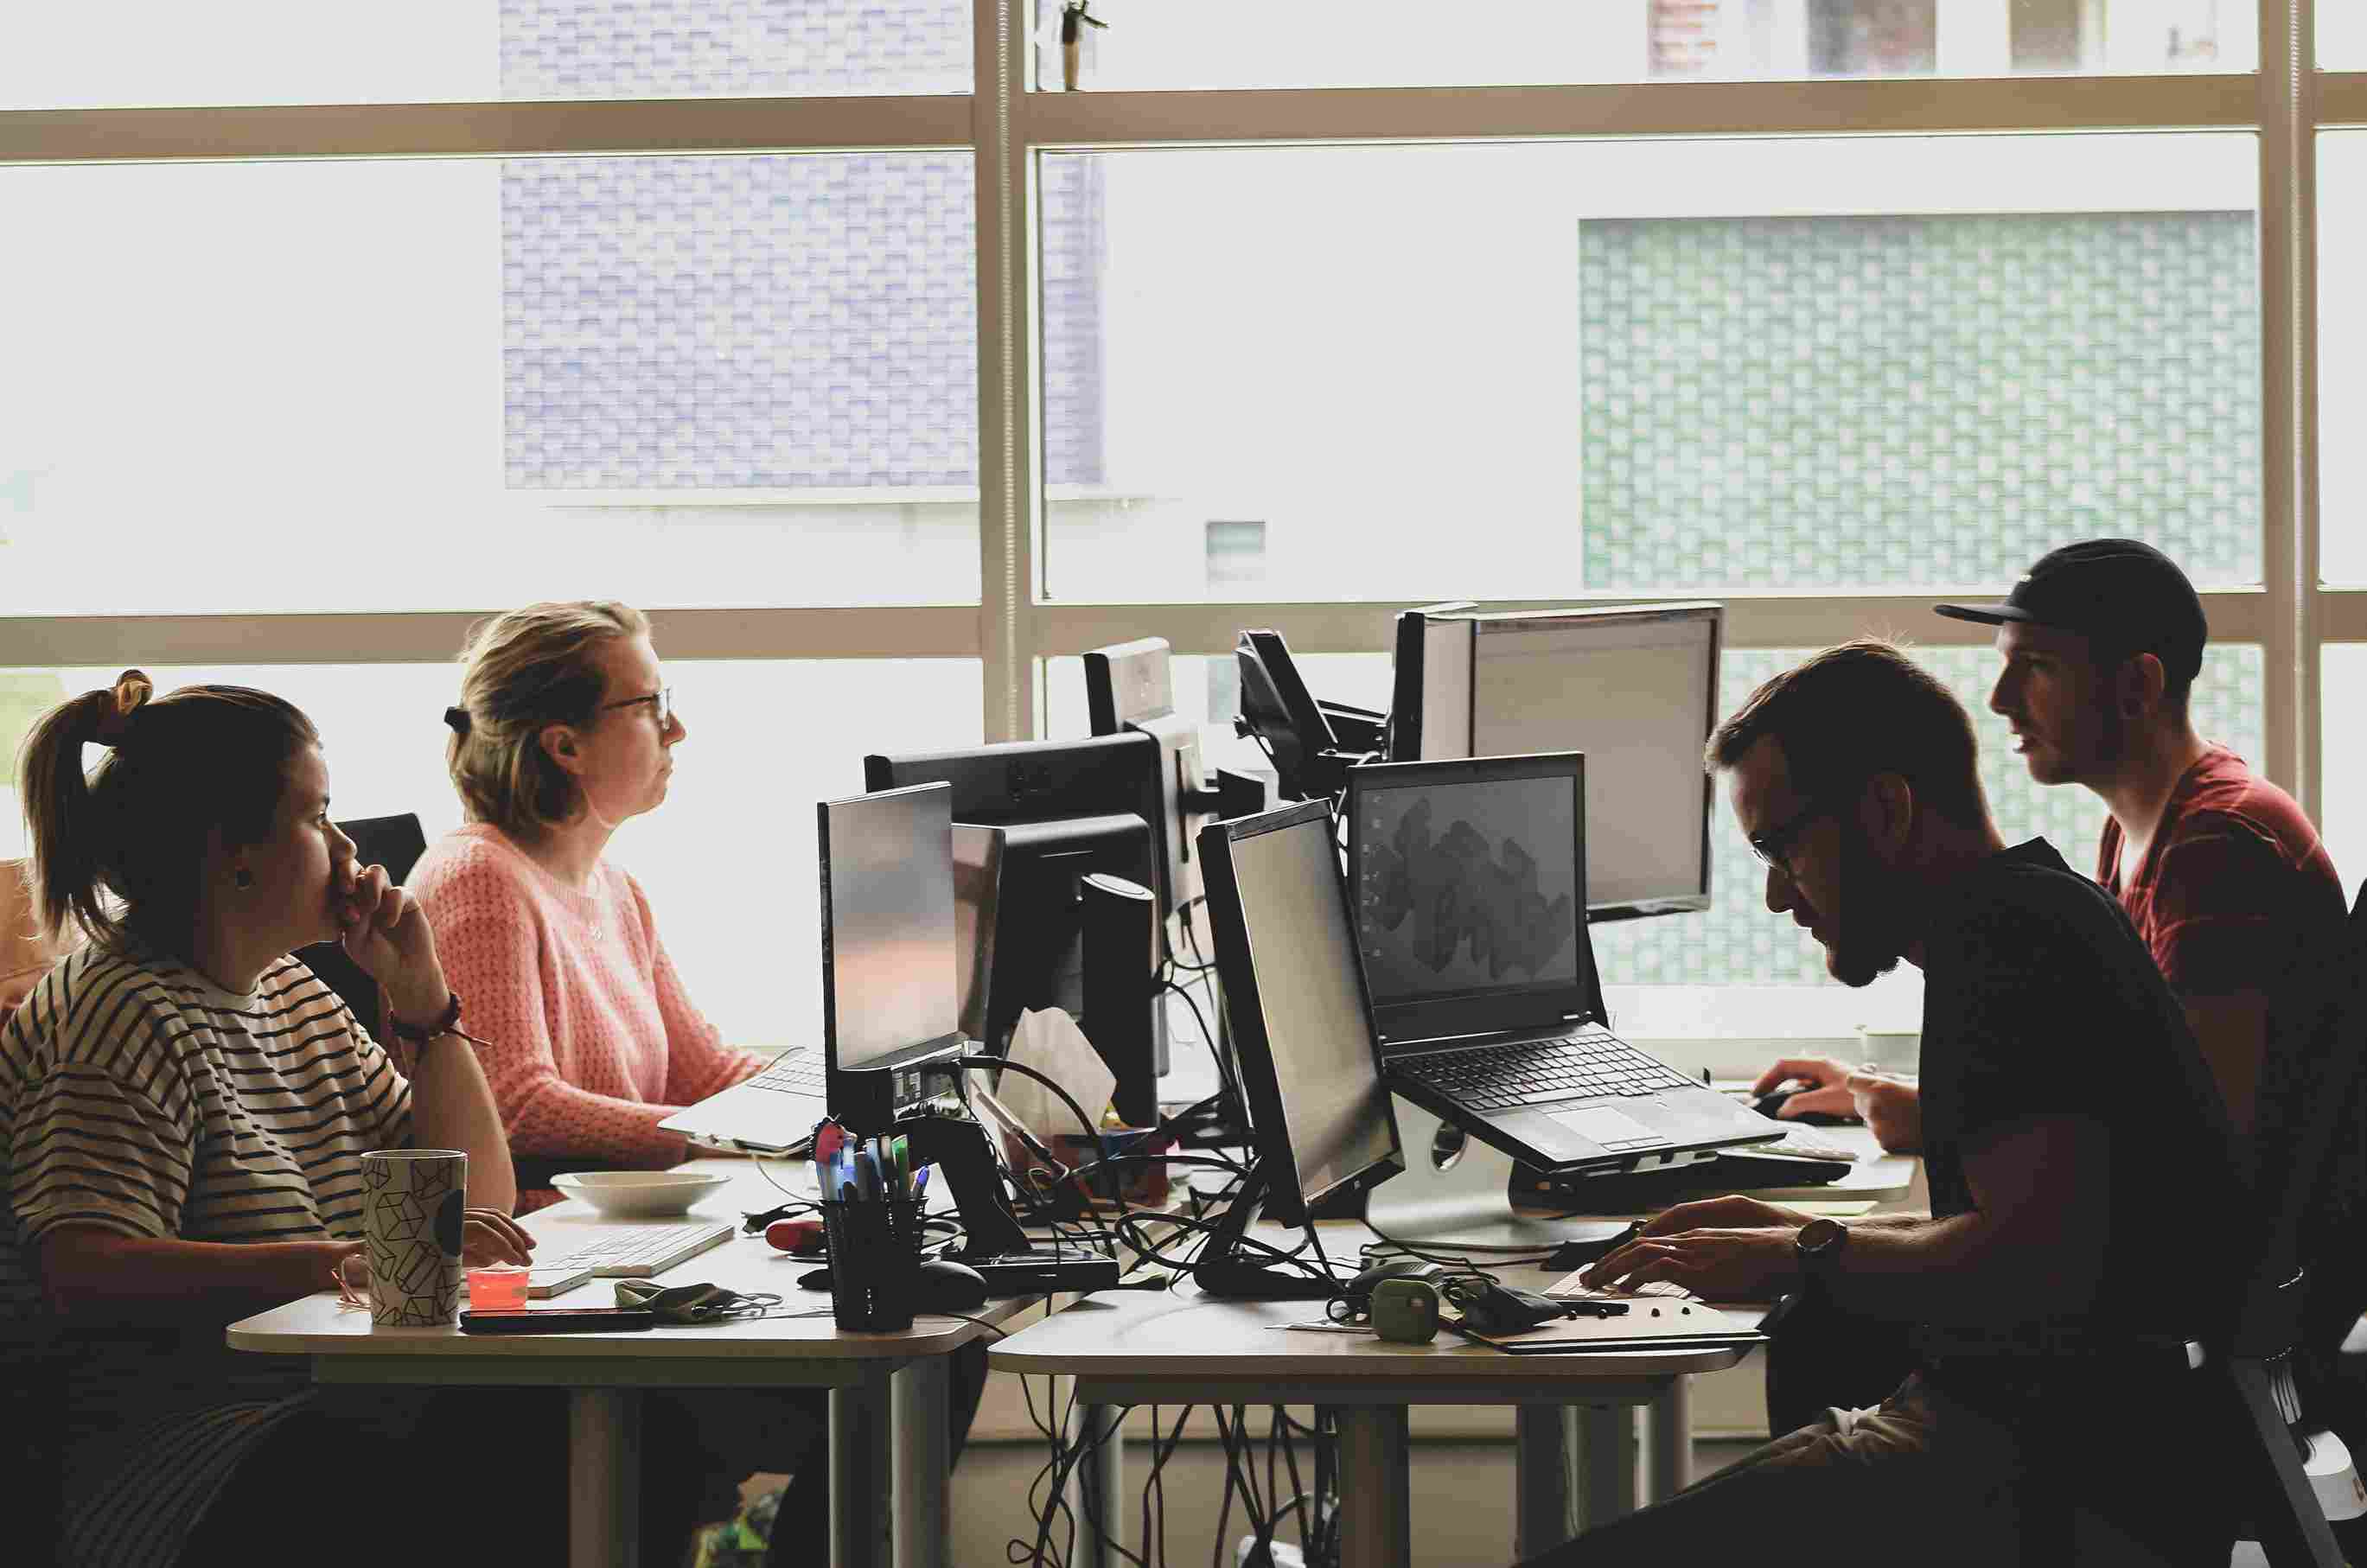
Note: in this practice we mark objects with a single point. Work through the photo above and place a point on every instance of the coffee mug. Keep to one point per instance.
(413, 1204)
(1890, 1050)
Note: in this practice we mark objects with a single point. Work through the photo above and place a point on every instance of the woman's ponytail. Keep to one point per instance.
(71, 840)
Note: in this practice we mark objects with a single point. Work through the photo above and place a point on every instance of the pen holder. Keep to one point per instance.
(875, 1261)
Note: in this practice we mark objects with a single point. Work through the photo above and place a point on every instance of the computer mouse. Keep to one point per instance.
(1771, 1102)
(947, 1286)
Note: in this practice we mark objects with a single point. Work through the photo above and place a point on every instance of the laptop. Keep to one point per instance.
(1467, 881)
(889, 968)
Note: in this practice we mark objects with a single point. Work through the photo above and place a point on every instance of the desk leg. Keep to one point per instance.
(1375, 1523)
(1544, 1483)
(1606, 1463)
(604, 1497)
(1668, 1422)
(923, 1463)
(1097, 1487)
(862, 1531)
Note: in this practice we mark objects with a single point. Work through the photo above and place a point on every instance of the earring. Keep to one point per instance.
(242, 878)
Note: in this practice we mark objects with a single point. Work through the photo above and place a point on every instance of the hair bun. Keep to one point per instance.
(115, 706)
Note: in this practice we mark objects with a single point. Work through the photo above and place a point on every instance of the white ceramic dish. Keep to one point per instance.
(639, 1194)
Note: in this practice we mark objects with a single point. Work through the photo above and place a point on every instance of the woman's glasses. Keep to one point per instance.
(662, 703)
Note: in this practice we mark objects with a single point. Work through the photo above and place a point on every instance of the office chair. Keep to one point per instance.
(396, 843)
(2308, 1171)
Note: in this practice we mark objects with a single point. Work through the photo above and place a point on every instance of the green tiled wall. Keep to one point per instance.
(1812, 404)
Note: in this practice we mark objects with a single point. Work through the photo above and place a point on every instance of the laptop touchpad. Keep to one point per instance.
(1611, 1129)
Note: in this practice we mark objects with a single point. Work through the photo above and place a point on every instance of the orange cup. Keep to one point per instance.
(497, 1287)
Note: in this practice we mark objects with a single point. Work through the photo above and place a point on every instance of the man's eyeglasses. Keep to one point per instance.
(1775, 845)
(660, 702)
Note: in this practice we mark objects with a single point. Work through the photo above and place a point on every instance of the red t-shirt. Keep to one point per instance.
(2237, 886)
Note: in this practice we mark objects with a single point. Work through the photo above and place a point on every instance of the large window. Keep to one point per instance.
(1152, 44)
(894, 376)
(1691, 367)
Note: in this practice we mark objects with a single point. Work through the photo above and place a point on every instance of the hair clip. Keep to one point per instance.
(459, 719)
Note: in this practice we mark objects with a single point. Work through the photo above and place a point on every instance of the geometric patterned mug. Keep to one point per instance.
(412, 1200)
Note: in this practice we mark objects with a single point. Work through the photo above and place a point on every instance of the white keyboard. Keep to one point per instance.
(1803, 1143)
(635, 1252)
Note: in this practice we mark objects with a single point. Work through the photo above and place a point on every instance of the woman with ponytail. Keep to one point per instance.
(565, 729)
(182, 1110)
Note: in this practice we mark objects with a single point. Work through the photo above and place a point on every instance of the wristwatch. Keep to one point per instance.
(1818, 1248)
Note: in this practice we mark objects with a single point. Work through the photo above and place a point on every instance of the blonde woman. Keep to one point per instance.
(182, 1110)
(564, 731)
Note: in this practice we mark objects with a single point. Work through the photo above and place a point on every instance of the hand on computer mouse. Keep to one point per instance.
(1814, 1090)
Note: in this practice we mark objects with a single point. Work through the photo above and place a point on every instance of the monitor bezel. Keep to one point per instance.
(1285, 1201)
(1438, 1017)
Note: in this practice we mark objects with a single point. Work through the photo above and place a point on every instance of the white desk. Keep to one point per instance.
(1575, 1457)
(890, 1439)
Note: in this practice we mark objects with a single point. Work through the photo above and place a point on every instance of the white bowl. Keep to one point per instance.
(639, 1194)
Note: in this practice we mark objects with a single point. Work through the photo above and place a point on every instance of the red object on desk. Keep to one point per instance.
(800, 1238)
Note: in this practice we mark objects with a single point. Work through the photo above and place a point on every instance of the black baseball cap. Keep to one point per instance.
(2126, 596)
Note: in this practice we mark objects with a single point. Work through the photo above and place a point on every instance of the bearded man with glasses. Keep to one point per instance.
(2075, 1145)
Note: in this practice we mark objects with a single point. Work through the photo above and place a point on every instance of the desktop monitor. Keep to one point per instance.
(1295, 1002)
(1130, 686)
(1062, 810)
(889, 1003)
(1633, 687)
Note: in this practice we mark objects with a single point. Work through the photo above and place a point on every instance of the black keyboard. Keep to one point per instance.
(795, 1073)
(1589, 1064)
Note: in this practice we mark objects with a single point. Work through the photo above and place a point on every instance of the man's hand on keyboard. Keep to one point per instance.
(1733, 1212)
(1750, 1263)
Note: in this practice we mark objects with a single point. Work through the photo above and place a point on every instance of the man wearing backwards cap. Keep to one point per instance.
(2218, 869)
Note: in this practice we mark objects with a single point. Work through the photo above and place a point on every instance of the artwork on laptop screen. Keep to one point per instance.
(1467, 888)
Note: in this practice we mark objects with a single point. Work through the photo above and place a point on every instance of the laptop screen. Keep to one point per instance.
(1468, 888)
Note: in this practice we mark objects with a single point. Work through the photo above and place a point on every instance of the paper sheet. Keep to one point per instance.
(1051, 1042)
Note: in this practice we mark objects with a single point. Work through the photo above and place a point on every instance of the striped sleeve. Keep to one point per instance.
(105, 1130)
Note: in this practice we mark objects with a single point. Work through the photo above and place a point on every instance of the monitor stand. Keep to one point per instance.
(1466, 1204)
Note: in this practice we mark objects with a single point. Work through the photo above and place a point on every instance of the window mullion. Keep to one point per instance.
(1006, 488)
(2289, 554)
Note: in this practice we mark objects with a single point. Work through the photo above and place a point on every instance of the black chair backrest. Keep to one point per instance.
(396, 843)
(2311, 1147)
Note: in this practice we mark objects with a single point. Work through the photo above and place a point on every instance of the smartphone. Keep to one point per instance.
(559, 1320)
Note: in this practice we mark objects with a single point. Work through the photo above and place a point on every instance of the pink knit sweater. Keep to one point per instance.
(593, 1041)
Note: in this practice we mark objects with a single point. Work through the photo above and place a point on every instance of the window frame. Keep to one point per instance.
(1005, 123)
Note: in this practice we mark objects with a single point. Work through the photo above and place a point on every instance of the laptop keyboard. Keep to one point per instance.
(1590, 1063)
(797, 1072)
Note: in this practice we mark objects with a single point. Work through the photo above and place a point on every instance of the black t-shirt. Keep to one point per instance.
(2040, 999)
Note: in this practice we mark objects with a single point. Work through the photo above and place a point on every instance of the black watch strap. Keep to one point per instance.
(448, 1023)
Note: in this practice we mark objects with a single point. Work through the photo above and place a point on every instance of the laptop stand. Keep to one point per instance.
(1466, 1204)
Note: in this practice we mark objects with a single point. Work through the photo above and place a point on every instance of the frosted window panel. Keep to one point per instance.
(280, 51)
(398, 386)
(2342, 813)
(1520, 371)
(728, 861)
(1154, 44)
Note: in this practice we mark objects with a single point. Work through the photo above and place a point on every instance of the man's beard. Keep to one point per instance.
(1869, 941)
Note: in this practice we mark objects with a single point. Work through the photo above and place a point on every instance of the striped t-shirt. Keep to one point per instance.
(138, 1096)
